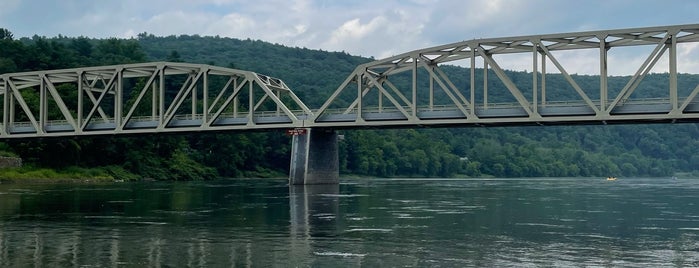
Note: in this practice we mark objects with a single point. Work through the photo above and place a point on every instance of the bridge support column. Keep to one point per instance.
(314, 158)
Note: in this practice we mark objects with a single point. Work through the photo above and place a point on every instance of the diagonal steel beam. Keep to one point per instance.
(337, 92)
(231, 80)
(59, 102)
(90, 90)
(228, 100)
(508, 83)
(99, 100)
(390, 98)
(397, 92)
(18, 97)
(640, 73)
(170, 113)
(689, 99)
(570, 80)
(448, 92)
(147, 87)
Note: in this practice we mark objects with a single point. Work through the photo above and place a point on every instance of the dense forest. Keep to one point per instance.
(595, 150)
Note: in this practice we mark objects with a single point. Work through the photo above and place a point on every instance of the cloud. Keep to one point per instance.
(232, 24)
(381, 36)
(8, 6)
(362, 27)
(354, 30)
(688, 58)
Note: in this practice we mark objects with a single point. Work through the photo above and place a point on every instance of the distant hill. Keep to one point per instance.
(312, 74)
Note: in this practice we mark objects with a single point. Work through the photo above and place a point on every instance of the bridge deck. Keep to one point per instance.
(496, 114)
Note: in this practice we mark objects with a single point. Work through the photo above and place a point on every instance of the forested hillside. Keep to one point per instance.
(619, 150)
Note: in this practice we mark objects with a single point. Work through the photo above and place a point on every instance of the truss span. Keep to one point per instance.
(417, 88)
(146, 97)
(420, 88)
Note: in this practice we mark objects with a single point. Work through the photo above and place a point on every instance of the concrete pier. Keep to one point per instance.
(314, 158)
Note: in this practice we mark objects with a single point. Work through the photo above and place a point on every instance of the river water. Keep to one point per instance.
(362, 222)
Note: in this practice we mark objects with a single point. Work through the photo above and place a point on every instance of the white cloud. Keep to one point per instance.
(354, 30)
(130, 33)
(233, 25)
(384, 35)
(688, 58)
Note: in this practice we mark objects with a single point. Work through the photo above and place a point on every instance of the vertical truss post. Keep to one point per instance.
(535, 70)
(473, 81)
(79, 122)
(43, 106)
(251, 102)
(380, 100)
(485, 83)
(154, 98)
(603, 73)
(11, 100)
(543, 79)
(236, 102)
(279, 108)
(161, 98)
(360, 96)
(194, 94)
(673, 72)
(205, 97)
(119, 97)
(414, 73)
(431, 87)
(5, 106)
(194, 101)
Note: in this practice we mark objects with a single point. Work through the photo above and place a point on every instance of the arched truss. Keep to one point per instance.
(146, 97)
(400, 90)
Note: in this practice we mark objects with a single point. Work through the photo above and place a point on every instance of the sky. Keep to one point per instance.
(370, 28)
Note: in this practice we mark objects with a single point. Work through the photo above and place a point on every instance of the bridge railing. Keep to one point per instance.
(150, 118)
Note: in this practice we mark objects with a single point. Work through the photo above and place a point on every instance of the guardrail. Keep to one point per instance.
(365, 109)
(498, 105)
(149, 118)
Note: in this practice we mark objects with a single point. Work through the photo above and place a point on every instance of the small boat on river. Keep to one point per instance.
(611, 178)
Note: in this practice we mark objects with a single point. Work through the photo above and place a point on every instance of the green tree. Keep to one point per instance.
(5, 34)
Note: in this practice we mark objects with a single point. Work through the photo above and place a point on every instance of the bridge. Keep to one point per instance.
(417, 88)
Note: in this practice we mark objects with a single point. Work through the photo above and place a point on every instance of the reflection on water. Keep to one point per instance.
(313, 213)
(431, 222)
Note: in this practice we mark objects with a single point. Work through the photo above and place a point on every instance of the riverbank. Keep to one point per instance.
(31, 174)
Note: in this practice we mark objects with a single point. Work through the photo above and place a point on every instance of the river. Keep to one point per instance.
(565, 222)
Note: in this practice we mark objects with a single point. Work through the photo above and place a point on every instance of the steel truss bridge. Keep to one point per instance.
(418, 88)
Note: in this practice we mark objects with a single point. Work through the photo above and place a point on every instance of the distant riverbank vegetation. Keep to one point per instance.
(568, 151)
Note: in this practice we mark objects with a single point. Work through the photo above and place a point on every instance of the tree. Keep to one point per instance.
(174, 56)
(5, 34)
